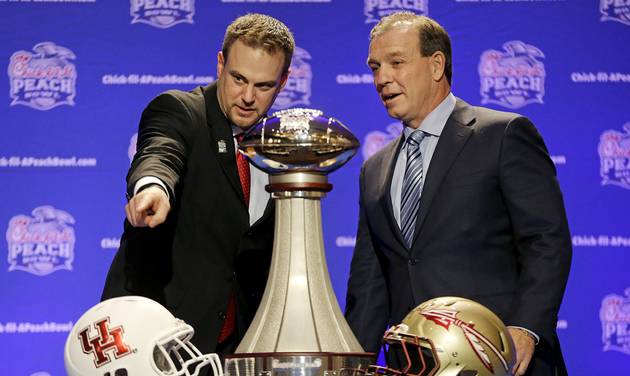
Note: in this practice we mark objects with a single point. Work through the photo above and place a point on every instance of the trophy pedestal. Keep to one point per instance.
(297, 364)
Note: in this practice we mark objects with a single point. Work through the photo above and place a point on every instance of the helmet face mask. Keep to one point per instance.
(129, 336)
(448, 336)
(411, 354)
(175, 355)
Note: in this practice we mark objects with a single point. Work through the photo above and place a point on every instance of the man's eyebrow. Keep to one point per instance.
(395, 54)
(235, 73)
(390, 55)
(265, 83)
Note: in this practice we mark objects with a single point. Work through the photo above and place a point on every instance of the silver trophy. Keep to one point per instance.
(299, 329)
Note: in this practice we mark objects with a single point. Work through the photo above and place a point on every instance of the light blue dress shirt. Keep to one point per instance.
(432, 125)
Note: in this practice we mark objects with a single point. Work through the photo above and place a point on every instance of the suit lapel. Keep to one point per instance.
(222, 143)
(454, 136)
(385, 192)
(269, 210)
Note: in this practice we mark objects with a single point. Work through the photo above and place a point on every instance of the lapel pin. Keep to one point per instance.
(222, 147)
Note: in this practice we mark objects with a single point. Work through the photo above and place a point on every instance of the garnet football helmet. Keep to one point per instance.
(448, 336)
(133, 336)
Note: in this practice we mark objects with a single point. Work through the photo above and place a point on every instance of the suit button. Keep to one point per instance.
(412, 261)
(222, 315)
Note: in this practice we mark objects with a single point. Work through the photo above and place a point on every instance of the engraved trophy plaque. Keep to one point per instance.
(299, 329)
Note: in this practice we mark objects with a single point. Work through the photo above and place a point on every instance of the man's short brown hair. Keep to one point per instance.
(432, 36)
(260, 31)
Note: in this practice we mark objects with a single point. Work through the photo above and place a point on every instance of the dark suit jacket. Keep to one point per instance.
(206, 248)
(491, 227)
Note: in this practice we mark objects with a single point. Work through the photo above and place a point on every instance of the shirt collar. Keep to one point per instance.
(236, 130)
(434, 123)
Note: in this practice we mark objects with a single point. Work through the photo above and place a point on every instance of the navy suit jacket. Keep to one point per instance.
(491, 227)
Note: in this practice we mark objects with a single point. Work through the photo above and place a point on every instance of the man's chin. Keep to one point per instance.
(244, 123)
(393, 114)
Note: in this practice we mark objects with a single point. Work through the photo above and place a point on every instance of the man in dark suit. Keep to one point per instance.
(465, 203)
(199, 230)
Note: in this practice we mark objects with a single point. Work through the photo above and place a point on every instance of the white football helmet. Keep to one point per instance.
(133, 336)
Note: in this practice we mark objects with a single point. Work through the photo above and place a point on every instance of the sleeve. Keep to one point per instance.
(540, 229)
(163, 135)
(367, 298)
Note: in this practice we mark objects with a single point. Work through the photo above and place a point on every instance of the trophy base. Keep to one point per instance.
(297, 364)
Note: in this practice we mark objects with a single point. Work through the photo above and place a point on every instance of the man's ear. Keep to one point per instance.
(438, 64)
(220, 63)
(284, 78)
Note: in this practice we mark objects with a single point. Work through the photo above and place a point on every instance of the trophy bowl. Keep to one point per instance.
(299, 140)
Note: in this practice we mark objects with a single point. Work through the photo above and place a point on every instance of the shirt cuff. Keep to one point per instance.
(534, 335)
(147, 180)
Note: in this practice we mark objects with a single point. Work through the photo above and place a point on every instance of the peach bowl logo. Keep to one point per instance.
(614, 157)
(297, 91)
(44, 79)
(615, 10)
(374, 10)
(376, 140)
(43, 243)
(514, 77)
(615, 317)
(162, 13)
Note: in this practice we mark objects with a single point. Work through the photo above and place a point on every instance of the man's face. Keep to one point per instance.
(248, 83)
(405, 80)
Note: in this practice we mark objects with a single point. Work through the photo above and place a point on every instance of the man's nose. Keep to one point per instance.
(382, 77)
(249, 94)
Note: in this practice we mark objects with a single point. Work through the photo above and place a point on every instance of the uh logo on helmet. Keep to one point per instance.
(448, 336)
(132, 335)
(107, 340)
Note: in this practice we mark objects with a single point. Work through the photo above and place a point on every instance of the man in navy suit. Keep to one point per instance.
(464, 203)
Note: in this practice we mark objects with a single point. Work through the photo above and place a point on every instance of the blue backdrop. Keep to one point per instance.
(79, 73)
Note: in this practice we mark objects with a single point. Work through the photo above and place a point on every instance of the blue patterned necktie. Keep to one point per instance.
(412, 186)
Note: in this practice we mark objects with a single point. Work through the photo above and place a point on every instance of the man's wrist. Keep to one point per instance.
(527, 332)
(148, 181)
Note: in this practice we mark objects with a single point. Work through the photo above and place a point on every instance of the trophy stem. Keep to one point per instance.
(299, 311)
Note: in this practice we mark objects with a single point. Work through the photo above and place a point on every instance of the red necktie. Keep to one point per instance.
(243, 170)
(230, 319)
(243, 173)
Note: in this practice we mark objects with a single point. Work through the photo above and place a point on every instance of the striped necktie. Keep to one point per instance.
(412, 186)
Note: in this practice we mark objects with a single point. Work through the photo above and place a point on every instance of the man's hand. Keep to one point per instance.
(524, 350)
(148, 208)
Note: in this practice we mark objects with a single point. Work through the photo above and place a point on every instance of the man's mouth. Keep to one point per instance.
(389, 97)
(246, 110)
